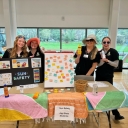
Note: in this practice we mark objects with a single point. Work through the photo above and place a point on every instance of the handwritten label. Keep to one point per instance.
(21, 76)
(64, 113)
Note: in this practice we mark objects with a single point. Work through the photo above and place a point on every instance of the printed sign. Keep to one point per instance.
(19, 63)
(36, 62)
(36, 73)
(64, 113)
(5, 78)
(4, 64)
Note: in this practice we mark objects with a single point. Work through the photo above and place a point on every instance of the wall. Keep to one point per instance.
(65, 13)
(123, 15)
(1, 14)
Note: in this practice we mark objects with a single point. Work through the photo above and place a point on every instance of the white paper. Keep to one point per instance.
(5, 78)
(28, 86)
(99, 84)
(64, 113)
(59, 70)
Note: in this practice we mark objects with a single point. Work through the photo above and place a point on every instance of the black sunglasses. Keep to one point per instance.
(91, 40)
(106, 42)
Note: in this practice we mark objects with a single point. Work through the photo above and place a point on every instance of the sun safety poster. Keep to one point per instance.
(59, 70)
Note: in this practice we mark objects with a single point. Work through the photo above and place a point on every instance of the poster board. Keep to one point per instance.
(21, 71)
(59, 69)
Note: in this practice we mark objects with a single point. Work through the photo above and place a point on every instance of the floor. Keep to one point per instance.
(120, 81)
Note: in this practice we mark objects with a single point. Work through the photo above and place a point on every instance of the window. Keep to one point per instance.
(2, 40)
(122, 46)
(27, 32)
(71, 38)
(99, 33)
(50, 38)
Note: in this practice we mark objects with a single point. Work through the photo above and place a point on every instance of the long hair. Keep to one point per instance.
(93, 53)
(13, 53)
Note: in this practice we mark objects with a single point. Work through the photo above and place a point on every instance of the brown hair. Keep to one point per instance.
(93, 53)
(14, 49)
(106, 37)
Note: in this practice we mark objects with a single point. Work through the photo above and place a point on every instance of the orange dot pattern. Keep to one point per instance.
(68, 99)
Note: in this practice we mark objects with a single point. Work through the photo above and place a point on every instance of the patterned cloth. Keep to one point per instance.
(68, 99)
(110, 100)
(23, 106)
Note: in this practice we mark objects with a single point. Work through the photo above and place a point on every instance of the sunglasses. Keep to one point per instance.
(91, 40)
(106, 42)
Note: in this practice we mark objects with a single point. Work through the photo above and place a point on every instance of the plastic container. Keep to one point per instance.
(21, 89)
(95, 89)
(103, 54)
(6, 92)
(79, 50)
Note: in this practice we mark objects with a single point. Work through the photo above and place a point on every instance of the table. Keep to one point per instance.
(41, 89)
(23, 106)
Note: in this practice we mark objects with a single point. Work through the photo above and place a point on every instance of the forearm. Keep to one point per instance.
(101, 63)
(77, 60)
(91, 70)
(113, 63)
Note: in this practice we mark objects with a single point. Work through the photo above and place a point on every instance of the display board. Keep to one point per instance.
(21, 71)
(59, 69)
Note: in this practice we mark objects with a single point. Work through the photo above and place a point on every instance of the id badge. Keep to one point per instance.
(85, 56)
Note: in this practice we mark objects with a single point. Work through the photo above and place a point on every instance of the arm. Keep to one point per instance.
(112, 63)
(91, 70)
(77, 59)
(101, 63)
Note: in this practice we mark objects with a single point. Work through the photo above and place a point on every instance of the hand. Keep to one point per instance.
(43, 49)
(105, 60)
(32, 56)
(78, 54)
(102, 56)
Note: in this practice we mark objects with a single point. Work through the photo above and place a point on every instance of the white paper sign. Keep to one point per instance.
(64, 113)
(59, 70)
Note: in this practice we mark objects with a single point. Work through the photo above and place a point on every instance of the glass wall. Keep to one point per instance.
(71, 38)
(99, 33)
(122, 45)
(50, 38)
(2, 40)
(27, 32)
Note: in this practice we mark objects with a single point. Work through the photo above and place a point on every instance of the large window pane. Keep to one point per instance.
(71, 38)
(99, 33)
(122, 45)
(27, 32)
(2, 40)
(50, 38)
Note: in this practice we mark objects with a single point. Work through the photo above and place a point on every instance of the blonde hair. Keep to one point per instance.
(93, 53)
(13, 53)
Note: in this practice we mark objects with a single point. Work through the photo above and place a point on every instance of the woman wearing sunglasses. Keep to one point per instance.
(19, 50)
(89, 57)
(36, 51)
(105, 71)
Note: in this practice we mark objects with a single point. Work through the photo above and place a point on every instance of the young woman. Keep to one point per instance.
(105, 69)
(35, 51)
(89, 57)
(19, 50)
